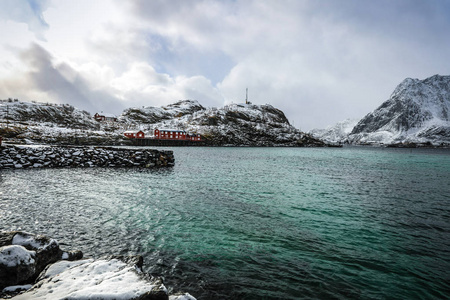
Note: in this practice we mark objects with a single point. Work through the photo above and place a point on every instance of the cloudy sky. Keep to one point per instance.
(320, 61)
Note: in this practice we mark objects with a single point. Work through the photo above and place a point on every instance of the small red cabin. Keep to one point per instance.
(172, 134)
(105, 117)
(133, 134)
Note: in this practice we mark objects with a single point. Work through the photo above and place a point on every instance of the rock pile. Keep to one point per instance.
(23, 256)
(33, 267)
(14, 157)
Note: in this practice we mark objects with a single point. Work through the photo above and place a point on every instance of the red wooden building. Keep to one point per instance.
(105, 117)
(173, 134)
(134, 134)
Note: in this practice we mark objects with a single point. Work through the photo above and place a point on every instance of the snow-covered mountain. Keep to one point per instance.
(150, 114)
(35, 122)
(64, 115)
(337, 133)
(418, 111)
(234, 124)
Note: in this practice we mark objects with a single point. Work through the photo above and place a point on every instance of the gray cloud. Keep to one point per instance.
(62, 83)
(319, 61)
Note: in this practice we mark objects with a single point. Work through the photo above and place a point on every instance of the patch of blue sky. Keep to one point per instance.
(37, 8)
(186, 60)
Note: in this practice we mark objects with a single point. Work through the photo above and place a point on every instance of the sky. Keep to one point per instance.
(319, 61)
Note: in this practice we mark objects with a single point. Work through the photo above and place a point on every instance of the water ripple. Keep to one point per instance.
(246, 223)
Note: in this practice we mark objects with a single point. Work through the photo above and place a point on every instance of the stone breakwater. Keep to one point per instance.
(17, 157)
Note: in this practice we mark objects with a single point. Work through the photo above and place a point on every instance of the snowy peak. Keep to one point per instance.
(151, 115)
(192, 111)
(184, 106)
(61, 114)
(431, 94)
(336, 133)
(415, 109)
(232, 113)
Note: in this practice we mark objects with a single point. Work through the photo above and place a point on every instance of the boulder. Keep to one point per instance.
(26, 258)
(17, 265)
(23, 256)
(96, 279)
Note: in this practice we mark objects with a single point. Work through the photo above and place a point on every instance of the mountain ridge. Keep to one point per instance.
(231, 125)
(417, 112)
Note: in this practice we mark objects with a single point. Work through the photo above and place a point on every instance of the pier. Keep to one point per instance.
(170, 143)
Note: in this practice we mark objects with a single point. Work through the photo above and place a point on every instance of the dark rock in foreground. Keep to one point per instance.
(23, 256)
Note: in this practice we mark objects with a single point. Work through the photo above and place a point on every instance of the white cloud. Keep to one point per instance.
(142, 85)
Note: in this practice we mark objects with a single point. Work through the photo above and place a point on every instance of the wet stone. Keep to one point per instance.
(86, 157)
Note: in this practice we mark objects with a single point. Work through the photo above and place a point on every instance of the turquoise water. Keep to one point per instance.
(257, 223)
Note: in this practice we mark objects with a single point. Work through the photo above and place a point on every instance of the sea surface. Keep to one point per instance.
(257, 223)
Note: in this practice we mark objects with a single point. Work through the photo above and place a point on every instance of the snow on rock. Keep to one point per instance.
(14, 255)
(337, 133)
(185, 296)
(234, 124)
(15, 288)
(152, 114)
(32, 241)
(94, 279)
(24, 255)
(418, 111)
(17, 265)
(35, 122)
(63, 114)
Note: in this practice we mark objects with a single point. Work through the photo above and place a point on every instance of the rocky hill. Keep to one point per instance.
(232, 125)
(337, 133)
(418, 111)
(64, 115)
(48, 123)
(151, 115)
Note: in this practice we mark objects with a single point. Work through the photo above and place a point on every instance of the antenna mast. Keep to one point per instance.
(246, 95)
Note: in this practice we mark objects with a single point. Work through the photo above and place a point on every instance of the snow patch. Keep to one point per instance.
(336, 133)
(185, 296)
(15, 255)
(89, 279)
(14, 288)
(29, 240)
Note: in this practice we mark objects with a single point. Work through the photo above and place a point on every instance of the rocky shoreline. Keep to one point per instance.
(22, 157)
(34, 267)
